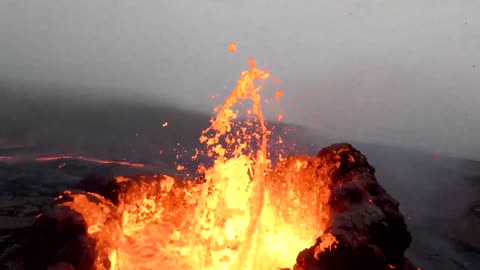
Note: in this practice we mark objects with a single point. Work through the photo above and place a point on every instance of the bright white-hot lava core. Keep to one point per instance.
(244, 214)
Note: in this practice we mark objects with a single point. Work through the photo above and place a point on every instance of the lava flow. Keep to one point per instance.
(243, 215)
(70, 157)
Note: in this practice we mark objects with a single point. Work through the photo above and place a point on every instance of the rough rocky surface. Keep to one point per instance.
(366, 221)
(57, 240)
(28, 188)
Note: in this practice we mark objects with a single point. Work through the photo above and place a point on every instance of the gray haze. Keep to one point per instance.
(392, 72)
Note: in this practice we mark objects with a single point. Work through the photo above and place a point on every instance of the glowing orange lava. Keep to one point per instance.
(232, 47)
(244, 214)
(61, 157)
(101, 161)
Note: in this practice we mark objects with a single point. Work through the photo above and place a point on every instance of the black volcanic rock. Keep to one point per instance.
(366, 221)
(57, 240)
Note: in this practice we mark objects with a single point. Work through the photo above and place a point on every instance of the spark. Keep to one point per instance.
(232, 47)
(278, 95)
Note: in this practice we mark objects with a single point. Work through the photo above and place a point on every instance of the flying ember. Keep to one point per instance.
(244, 214)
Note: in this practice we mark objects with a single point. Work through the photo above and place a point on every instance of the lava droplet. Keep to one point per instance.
(278, 94)
(232, 47)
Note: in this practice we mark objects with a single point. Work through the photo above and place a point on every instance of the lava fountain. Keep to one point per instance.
(244, 214)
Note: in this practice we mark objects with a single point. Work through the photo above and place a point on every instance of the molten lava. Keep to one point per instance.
(95, 160)
(70, 157)
(244, 214)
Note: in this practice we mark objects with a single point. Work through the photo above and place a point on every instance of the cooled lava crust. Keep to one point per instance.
(366, 221)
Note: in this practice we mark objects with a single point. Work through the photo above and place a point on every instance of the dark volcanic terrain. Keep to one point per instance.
(440, 196)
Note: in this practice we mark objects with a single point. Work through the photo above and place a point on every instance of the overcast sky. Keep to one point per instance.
(401, 72)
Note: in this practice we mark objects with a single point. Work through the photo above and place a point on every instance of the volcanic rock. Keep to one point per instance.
(370, 230)
(57, 240)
